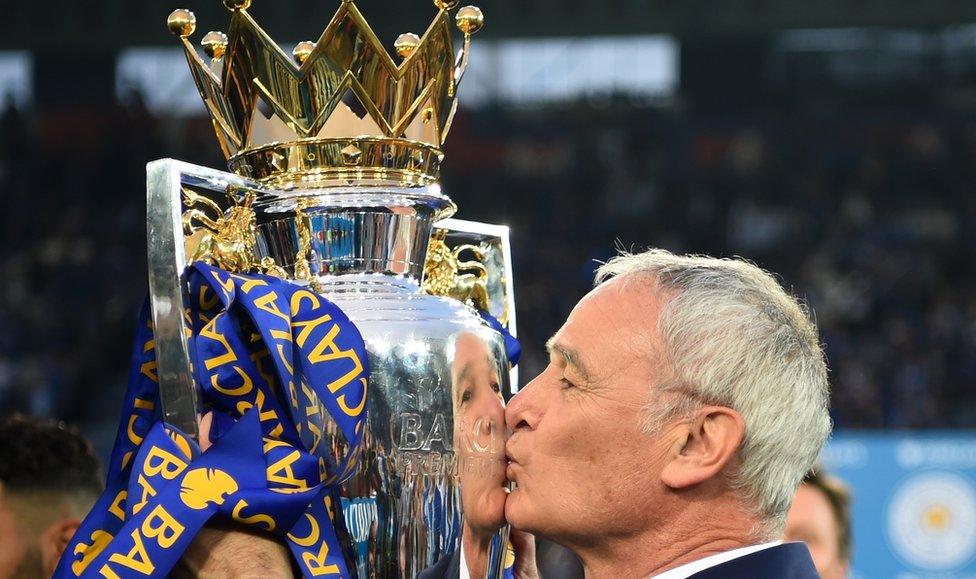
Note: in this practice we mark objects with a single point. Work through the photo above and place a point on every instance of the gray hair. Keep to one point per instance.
(733, 337)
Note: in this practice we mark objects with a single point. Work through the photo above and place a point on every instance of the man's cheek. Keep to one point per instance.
(11, 550)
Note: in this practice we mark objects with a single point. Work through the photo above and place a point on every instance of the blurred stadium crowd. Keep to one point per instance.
(868, 216)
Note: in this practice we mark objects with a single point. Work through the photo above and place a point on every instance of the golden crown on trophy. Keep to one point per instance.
(337, 111)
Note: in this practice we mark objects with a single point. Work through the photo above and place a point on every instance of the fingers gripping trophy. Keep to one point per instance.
(352, 344)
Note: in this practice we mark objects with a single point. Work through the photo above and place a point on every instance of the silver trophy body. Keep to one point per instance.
(432, 475)
(435, 438)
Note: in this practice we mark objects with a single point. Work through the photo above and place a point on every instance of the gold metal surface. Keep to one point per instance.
(345, 87)
(237, 4)
(214, 44)
(446, 274)
(182, 22)
(228, 239)
(311, 162)
(303, 270)
(406, 44)
(302, 51)
(470, 19)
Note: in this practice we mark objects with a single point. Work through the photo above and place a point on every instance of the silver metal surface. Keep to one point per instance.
(433, 475)
(166, 290)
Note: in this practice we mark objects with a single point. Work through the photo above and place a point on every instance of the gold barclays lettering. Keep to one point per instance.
(327, 350)
(311, 409)
(142, 404)
(163, 527)
(267, 303)
(316, 436)
(130, 430)
(308, 326)
(256, 519)
(284, 360)
(207, 304)
(159, 525)
(210, 331)
(161, 462)
(117, 507)
(243, 389)
(358, 409)
(247, 284)
(147, 492)
(298, 297)
(261, 359)
(99, 540)
(148, 369)
(126, 458)
(282, 472)
(264, 415)
(136, 559)
(315, 563)
(225, 284)
(202, 487)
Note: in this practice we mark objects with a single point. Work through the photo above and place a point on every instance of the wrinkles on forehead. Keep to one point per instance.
(616, 329)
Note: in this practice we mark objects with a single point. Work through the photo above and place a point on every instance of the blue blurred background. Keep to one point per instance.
(832, 142)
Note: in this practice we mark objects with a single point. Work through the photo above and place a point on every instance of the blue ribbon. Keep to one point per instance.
(513, 349)
(259, 346)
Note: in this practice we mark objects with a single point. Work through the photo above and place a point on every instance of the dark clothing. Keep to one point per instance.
(789, 561)
(448, 567)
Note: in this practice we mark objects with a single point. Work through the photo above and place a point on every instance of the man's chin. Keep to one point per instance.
(487, 514)
(516, 513)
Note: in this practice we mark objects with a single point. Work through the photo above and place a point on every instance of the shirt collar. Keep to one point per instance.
(464, 574)
(689, 569)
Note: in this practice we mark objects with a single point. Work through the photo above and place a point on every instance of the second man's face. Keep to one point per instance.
(811, 520)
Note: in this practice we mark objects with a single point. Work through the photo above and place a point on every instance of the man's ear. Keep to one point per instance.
(704, 446)
(54, 540)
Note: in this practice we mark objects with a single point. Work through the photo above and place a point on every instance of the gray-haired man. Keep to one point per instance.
(684, 401)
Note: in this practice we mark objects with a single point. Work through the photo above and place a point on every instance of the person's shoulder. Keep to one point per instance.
(787, 561)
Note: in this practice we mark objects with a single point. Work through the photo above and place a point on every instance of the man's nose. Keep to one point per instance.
(522, 411)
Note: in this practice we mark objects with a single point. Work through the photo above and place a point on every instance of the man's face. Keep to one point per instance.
(16, 560)
(812, 521)
(479, 433)
(582, 466)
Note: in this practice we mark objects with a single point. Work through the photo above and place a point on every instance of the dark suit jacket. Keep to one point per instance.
(788, 561)
(448, 567)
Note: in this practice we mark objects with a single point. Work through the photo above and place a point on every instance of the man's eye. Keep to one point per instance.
(567, 383)
(466, 396)
(495, 387)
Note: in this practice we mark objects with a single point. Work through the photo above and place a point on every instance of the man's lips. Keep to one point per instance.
(513, 465)
(511, 471)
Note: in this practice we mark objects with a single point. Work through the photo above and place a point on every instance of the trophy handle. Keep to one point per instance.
(477, 235)
(166, 180)
(167, 295)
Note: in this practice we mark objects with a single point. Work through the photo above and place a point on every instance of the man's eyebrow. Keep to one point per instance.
(571, 356)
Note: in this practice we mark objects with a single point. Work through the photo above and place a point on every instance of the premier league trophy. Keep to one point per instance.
(334, 203)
